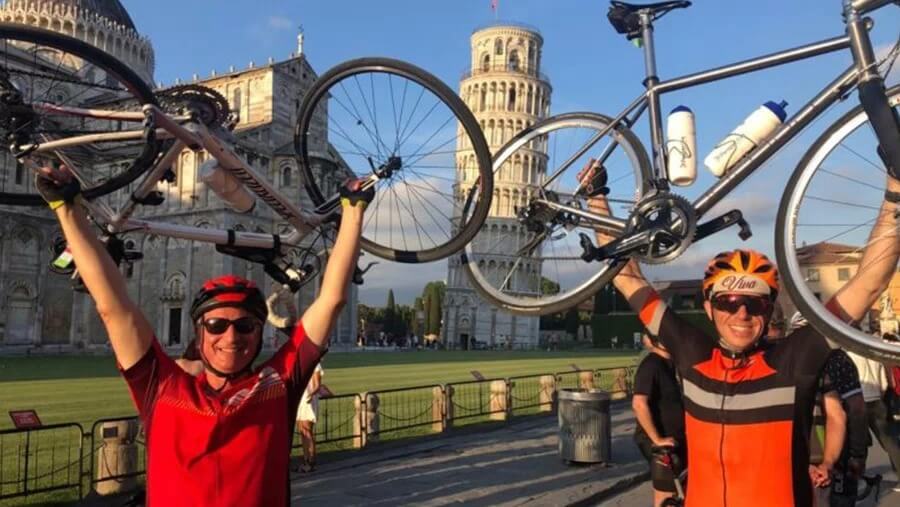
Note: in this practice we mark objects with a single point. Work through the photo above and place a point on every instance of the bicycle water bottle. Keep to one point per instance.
(226, 186)
(681, 147)
(755, 129)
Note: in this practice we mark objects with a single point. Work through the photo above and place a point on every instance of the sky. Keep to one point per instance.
(589, 65)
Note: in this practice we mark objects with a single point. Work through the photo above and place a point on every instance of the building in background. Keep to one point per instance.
(39, 309)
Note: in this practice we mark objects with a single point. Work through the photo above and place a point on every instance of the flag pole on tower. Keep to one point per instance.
(494, 5)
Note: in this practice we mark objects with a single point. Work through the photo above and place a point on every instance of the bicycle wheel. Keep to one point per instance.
(378, 109)
(40, 70)
(528, 259)
(824, 219)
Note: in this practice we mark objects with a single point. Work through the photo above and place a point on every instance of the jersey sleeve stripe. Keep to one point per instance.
(651, 314)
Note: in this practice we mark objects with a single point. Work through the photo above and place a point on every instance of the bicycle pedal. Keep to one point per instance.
(589, 251)
(745, 233)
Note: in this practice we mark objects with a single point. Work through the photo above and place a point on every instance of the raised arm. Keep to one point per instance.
(630, 282)
(878, 263)
(322, 313)
(129, 331)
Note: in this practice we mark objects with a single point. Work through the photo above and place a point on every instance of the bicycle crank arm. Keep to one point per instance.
(723, 222)
(619, 248)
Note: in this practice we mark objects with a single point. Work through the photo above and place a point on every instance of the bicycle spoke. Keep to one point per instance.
(411, 114)
(842, 203)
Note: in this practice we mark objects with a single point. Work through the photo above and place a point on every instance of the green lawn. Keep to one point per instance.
(86, 388)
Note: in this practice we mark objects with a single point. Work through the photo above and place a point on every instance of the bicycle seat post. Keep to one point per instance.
(652, 79)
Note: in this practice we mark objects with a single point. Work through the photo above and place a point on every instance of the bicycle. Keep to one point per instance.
(63, 100)
(665, 455)
(549, 265)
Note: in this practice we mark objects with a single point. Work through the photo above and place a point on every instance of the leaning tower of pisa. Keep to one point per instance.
(507, 92)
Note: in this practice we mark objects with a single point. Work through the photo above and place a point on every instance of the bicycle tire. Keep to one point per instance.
(99, 58)
(320, 90)
(534, 306)
(785, 245)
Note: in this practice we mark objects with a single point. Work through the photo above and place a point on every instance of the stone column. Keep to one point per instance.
(359, 426)
(438, 402)
(373, 424)
(117, 457)
(620, 388)
(499, 400)
(586, 379)
(548, 393)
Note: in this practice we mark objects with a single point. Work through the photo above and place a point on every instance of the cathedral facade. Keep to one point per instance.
(39, 309)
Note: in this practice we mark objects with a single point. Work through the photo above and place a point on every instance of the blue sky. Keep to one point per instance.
(589, 65)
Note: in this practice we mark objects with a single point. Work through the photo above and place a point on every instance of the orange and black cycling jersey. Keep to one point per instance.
(747, 419)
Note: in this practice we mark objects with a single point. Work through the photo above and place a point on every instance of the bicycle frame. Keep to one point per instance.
(194, 136)
(863, 67)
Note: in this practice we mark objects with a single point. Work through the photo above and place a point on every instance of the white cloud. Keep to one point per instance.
(280, 23)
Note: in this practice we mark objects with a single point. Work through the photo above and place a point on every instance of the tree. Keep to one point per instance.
(549, 287)
(390, 306)
(432, 302)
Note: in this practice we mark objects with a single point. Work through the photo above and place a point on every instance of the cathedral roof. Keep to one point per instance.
(110, 9)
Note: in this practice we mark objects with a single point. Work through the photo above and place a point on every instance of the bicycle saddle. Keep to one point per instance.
(654, 7)
(625, 19)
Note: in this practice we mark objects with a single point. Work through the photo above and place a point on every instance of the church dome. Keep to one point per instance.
(102, 23)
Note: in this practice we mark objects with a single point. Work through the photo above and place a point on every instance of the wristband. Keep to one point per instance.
(347, 202)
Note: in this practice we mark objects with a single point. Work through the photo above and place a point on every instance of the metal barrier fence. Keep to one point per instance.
(478, 398)
(532, 391)
(394, 410)
(337, 420)
(41, 460)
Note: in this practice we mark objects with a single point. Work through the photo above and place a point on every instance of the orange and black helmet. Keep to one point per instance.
(742, 272)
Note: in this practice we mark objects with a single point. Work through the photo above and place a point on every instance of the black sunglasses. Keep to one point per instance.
(243, 325)
(732, 303)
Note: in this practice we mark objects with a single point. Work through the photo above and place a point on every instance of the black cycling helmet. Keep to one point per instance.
(229, 290)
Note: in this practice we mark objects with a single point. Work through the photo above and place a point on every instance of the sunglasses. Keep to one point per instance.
(243, 325)
(732, 303)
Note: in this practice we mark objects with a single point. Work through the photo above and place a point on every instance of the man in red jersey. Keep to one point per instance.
(223, 437)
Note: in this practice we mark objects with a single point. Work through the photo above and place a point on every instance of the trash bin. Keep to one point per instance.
(584, 426)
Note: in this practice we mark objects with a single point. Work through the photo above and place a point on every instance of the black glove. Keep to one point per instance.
(352, 193)
(593, 180)
(57, 192)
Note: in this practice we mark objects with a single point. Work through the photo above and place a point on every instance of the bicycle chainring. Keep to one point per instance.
(671, 223)
(203, 104)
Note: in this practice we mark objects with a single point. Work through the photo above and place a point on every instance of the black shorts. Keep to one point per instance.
(662, 476)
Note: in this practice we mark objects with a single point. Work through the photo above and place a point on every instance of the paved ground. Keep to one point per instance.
(516, 464)
(878, 463)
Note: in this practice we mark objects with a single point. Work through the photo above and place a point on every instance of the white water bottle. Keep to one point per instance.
(755, 129)
(681, 147)
(226, 186)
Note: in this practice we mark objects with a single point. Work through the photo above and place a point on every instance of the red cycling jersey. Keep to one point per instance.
(747, 420)
(220, 448)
